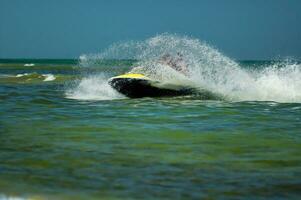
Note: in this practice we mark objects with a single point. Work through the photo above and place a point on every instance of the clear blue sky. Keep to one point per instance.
(242, 29)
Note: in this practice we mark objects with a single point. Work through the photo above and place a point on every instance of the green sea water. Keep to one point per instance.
(64, 135)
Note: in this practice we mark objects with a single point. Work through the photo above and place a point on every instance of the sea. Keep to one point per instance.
(66, 134)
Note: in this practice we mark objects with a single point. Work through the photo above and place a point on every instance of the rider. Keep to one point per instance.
(176, 62)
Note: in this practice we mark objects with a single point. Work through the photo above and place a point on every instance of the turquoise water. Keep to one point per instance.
(70, 137)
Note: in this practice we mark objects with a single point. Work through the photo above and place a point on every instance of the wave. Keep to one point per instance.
(5, 197)
(28, 78)
(208, 70)
(29, 64)
(49, 77)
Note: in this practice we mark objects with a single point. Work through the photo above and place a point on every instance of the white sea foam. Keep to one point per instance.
(29, 64)
(20, 75)
(208, 68)
(93, 87)
(49, 77)
(5, 197)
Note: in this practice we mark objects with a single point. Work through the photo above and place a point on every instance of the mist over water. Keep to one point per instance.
(208, 70)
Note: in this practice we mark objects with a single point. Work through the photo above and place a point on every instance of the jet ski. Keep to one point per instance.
(139, 85)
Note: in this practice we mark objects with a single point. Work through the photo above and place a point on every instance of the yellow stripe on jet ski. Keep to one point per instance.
(138, 76)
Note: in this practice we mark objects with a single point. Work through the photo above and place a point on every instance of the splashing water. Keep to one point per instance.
(208, 69)
(93, 87)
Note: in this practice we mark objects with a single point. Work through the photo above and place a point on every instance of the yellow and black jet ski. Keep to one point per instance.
(139, 85)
